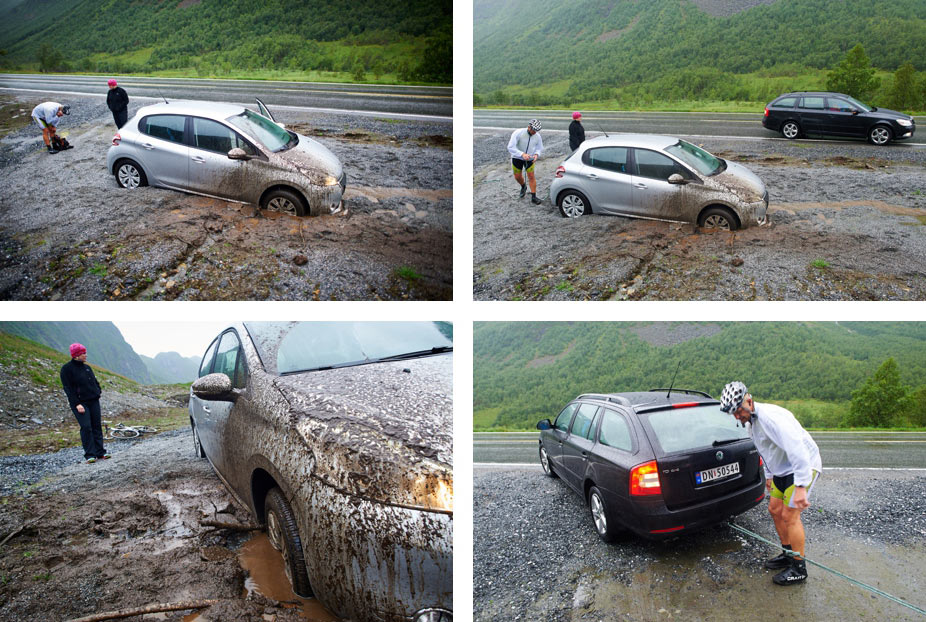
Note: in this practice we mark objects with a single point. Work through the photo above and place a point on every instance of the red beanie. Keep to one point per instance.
(77, 349)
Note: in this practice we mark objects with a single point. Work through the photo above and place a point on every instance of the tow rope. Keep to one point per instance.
(835, 572)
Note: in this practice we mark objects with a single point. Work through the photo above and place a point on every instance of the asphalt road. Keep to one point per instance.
(837, 449)
(418, 102)
(688, 124)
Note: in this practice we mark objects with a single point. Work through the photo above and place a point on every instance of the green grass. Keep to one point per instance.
(485, 418)
(820, 264)
(407, 273)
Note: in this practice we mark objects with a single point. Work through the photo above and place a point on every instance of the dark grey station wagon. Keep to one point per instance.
(656, 463)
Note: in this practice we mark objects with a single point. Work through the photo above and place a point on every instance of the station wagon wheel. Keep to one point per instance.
(283, 532)
(286, 201)
(545, 463)
(880, 135)
(573, 204)
(790, 130)
(130, 175)
(606, 528)
(718, 218)
(197, 444)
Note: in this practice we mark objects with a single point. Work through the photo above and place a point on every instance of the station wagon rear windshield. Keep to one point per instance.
(293, 347)
(697, 427)
(271, 135)
(697, 158)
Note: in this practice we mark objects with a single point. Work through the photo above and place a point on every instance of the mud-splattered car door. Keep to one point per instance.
(215, 413)
(223, 163)
(653, 195)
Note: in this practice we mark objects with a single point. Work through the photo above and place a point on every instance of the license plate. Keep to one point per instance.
(709, 475)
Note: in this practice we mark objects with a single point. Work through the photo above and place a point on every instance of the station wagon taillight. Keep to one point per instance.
(686, 404)
(766, 111)
(644, 479)
(559, 171)
(116, 139)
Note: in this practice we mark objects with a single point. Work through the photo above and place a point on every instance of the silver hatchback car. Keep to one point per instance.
(229, 152)
(660, 178)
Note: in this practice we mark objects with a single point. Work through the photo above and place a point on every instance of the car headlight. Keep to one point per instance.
(904, 122)
(330, 180)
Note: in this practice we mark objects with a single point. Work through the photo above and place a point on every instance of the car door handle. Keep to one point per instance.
(206, 409)
(147, 146)
(640, 186)
(585, 455)
(198, 159)
(592, 176)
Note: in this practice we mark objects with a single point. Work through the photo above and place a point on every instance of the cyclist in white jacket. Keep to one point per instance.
(792, 467)
(46, 116)
(525, 146)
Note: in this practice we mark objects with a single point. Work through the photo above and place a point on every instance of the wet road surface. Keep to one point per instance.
(417, 102)
(838, 449)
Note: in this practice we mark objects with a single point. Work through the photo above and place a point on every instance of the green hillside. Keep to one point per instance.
(410, 40)
(524, 372)
(633, 52)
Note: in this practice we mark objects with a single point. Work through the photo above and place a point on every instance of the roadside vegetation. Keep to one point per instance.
(860, 375)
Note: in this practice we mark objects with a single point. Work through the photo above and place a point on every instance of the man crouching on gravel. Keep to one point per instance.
(792, 466)
(83, 393)
(524, 147)
(46, 116)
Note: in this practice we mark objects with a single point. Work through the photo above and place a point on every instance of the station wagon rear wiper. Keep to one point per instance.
(412, 355)
(725, 442)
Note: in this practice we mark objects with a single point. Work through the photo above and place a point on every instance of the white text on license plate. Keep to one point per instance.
(708, 475)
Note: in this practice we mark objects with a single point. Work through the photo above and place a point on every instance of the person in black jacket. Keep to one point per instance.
(118, 101)
(576, 131)
(83, 393)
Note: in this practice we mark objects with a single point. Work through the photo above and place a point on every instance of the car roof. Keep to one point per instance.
(215, 110)
(651, 141)
(651, 398)
(812, 93)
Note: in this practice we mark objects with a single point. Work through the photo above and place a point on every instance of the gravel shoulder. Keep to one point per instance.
(69, 232)
(537, 557)
(847, 222)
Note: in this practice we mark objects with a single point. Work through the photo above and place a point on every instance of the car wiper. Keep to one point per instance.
(726, 441)
(413, 355)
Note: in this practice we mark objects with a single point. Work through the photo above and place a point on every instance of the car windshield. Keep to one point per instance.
(856, 103)
(697, 158)
(271, 135)
(291, 347)
(685, 429)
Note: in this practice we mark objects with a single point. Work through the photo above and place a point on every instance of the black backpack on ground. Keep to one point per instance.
(60, 143)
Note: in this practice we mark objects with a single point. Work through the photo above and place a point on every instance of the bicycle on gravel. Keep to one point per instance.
(121, 430)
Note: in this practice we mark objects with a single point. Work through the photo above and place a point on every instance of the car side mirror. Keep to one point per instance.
(215, 387)
(544, 425)
(238, 154)
(675, 178)
(855, 111)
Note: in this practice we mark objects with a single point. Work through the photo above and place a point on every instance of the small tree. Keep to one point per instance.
(854, 75)
(903, 95)
(50, 59)
(359, 72)
(882, 398)
(918, 407)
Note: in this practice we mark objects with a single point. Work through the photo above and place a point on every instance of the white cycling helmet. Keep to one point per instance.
(732, 397)
(534, 125)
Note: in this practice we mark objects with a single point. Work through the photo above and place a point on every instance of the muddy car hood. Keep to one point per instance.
(741, 181)
(312, 159)
(383, 430)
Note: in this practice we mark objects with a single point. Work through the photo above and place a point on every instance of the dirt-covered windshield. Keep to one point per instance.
(288, 347)
(271, 135)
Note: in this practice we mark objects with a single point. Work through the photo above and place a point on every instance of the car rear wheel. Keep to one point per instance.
(880, 135)
(718, 218)
(573, 204)
(286, 201)
(197, 444)
(283, 533)
(545, 463)
(790, 130)
(130, 175)
(607, 529)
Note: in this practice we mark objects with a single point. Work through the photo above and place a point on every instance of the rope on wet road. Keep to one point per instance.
(835, 572)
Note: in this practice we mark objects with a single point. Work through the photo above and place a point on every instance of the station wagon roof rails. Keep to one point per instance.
(686, 391)
(617, 399)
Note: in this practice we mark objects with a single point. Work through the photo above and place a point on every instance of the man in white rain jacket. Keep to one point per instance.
(792, 467)
(525, 146)
(46, 116)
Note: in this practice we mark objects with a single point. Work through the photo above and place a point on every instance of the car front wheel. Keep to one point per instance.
(285, 201)
(573, 204)
(880, 135)
(130, 175)
(718, 218)
(790, 130)
(545, 463)
(283, 533)
(607, 529)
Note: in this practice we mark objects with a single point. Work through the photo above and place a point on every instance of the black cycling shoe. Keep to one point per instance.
(523, 191)
(535, 200)
(782, 561)
(795, 573)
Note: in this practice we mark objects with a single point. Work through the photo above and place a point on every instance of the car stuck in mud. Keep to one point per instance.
(338, 437)
(227, 152)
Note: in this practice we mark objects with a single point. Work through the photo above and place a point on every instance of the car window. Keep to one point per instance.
(562, 421)
(785, 102)
(583, 421)
(166, 127)
(226, 358)
(615, 432)
(683, 429)
(213, 136)
(206, 366)
(812, 103)
(262, 129)
(590, 435)
(655, 165)
(697, 158)
(837, 104)
(608, 158)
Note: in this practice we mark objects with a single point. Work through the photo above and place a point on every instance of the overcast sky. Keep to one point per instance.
(186, 338)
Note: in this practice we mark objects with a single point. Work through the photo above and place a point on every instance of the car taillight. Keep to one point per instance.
(766, 111)
(116, 139)
(559, 171)
(644, 479)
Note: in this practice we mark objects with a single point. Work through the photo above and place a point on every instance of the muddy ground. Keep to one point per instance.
(537, 556)
(126, 533)
(847, 222)
(68, 232)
